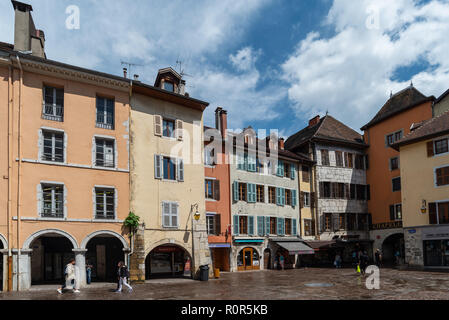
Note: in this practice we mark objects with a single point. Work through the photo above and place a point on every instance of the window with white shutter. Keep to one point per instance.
(170, 214)
(179, 130)
(180, 173)
(158, 125)
(157, 166)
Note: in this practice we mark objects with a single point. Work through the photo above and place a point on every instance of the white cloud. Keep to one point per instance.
(350, 74)
(244, 59)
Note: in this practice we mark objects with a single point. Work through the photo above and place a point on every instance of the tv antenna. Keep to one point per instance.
(181, 70)
(129, 65)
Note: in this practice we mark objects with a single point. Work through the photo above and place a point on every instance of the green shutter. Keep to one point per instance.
(292, 171)
(250, 225)
(294, 201)
(236, 191)
(267, 226)
(240, 161)
(279, 227)
(280, 169)
(282, 226)
(251, 164)
(260, 226)
(236, 225)
(294, 231)
(282, 194)
(278, 196)
(251, 193)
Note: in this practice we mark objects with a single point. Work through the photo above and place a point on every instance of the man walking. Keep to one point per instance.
(69, 277)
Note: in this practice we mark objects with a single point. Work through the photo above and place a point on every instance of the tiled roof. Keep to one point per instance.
(431, 128)
(329, 129)
(403, 100)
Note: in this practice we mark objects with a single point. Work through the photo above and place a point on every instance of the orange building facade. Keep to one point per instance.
(391, 123)
(217, 192)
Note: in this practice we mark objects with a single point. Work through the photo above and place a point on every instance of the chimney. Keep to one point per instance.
(26, 37)
(221, 121)
(125, 72)
(217, 118)
(136, 77)
(314, 121)
(182, 87)
(281, 143)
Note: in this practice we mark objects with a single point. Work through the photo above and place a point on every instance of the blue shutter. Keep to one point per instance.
(240, 161)
(260, 226)
(236, 225)
(278, 197)
(294, 231)
(280, 170)
(251, 192)
(292, 171)
(279, 227)
(251, 164)
(250, 225)
(294, 198)
(236, 191)
(267, 226)
(282, 196)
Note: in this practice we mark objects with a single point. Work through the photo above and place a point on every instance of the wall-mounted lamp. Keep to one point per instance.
(196, 215)
(424, 207)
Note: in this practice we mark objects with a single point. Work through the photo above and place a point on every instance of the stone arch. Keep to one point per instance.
(3, 241)
(104, 232)
(34, 236)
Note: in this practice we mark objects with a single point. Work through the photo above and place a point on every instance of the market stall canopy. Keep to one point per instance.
(296, 247)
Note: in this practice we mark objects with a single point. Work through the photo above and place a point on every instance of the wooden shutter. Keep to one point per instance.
(433, 213)
(301, 199)
(430, 152)
(312, 200)
(180, 170)
(322, 189)
(216, 190)
(236, 191)
(217, 224)
(158, 125)
(322, 223)
(250, 225)
(179, 129)
(267, 225)
(158, 166)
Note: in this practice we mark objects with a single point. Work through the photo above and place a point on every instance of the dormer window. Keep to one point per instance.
(169, 86)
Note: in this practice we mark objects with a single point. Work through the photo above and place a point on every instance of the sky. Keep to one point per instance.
(272, 64)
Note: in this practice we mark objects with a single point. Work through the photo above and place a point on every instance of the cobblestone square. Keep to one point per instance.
(296, 284)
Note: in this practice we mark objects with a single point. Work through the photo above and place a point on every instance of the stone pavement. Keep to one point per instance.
(268, 285)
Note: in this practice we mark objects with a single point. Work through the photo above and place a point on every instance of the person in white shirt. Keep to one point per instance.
(69, 278)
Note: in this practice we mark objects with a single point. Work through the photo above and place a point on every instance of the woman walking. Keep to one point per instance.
(123, 275)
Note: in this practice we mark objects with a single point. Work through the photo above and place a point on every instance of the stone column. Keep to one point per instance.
(4, 253)
(201, 247)
(137, 260)
(80, 260)
(21, 273)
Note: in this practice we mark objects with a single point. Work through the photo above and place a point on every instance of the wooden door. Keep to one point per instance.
(101, 262)
(248, 258)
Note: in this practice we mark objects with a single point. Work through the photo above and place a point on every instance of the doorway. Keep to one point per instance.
(393, 250)
(167, 261)
(267, 259)
(104, 253)
(248, 259)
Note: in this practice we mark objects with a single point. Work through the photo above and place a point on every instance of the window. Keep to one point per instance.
(308, 227)
(392, 138)
(306, 199)
(327, 221)
(242, 192)
(305, 174)
(361, 192)
(325, 189)
(53, 146)
(209, 156)
(213, 224)
(396, 212)
(243, 224)
(169, 168)
(169, 86)
(442, 175)
(394, 163)
(273, 226)
(105, 113)
(288, 226)
(53, 108)
(441, 146)
(324, 157)
(104, 203)
(349, 160)
(212, 189)
(439, 213)
(259, 166)
(351, 220)
(104, 153)
(272, 195)
(287, 170)
(260, 194)
(170, 214)
(168, 128)
(52, 201)
(288, 197)
(359, 162)
(342, 221)
(396, 184)
(339, 158)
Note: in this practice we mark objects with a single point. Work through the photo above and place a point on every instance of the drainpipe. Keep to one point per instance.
(129, 162)
(19, 173)
(10, 162)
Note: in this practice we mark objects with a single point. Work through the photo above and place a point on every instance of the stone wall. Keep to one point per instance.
(414, 254)
(137, 262)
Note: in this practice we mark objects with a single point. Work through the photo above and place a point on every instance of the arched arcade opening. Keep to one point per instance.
(393, 250)
(168, 261)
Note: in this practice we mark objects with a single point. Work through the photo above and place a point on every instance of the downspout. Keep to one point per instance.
(10, 164)
(129, 161)
(19, 139)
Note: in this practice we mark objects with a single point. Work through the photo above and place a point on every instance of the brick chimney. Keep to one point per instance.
(26, 37)
(314, 121)
(221, 120)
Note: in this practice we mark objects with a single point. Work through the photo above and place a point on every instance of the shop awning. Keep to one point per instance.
(296, 247)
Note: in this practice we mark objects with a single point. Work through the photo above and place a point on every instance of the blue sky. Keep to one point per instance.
(273, 64)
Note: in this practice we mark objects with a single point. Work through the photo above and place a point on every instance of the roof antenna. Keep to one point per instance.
(411, 83)
(327, 111)
(391, 93)
(129, 64)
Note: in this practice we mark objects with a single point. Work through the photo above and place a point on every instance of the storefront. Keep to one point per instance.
(167, 261)
(436, 246)
(220, 253)
(291, 249)
(248, 259)
(247, 254)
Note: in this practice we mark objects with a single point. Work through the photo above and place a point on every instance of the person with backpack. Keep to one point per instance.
(69, 277)
(122, 276)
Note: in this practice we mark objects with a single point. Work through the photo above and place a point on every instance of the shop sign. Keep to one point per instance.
(412, 231)
(437, 233)
(387, 225)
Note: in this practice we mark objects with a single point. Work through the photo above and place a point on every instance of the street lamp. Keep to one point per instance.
(196, 215)
(424, 206)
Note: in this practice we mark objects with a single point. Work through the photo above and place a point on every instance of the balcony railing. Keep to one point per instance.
(53, 112)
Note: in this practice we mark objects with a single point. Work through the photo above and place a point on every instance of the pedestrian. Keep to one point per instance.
(88, 272)
(363, 262)
(281, 261)
(355, 259)
(123, 276)
(337, 261)
(378, 257)
(397, 257)
(69, 278)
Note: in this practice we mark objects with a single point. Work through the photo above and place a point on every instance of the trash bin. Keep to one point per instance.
(217, 273)
(204, 273)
